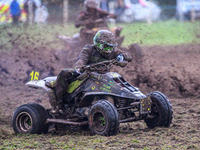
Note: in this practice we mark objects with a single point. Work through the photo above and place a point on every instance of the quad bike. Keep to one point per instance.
(100, 101)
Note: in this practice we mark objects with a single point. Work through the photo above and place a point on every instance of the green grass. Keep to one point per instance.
(159, 33)
(139, 141)
(22, 37)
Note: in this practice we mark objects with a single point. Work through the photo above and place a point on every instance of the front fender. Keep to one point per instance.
(89, 96)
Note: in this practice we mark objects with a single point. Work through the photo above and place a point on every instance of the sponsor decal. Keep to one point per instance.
(104, 89)
(106, 86)
(96, 82)
(110, 83)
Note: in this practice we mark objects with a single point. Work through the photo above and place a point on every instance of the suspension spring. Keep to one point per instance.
(122, 102)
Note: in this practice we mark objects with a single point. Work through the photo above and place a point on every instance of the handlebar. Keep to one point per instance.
(101, 66)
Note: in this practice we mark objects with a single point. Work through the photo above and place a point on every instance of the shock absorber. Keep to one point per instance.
(122, 103)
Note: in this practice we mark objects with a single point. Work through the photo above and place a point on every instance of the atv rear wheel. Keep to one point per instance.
(30, 118)
(161, 110)
(103, 118)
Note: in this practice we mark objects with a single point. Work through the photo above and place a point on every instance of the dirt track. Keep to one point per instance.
(173, 70)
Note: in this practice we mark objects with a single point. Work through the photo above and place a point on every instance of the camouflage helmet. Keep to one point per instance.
(104, 41)
(91, 4)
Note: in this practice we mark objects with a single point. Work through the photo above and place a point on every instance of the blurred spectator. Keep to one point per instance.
(104, 5)
(41, 14)
(30, 7)
(143, 3)
(15, 11)
(119, 7)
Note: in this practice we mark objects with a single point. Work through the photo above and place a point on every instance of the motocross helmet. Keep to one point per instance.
(91, 4)
(104, 42)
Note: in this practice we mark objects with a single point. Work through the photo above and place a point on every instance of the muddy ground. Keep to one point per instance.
(173, 70)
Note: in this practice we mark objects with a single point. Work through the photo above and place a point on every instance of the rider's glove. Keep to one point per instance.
(76, 73)
(121, 61)
(120, 58)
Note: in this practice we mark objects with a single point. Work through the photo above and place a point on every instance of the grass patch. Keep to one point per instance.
(161, 33)
(120, 141)
(24, 37)
(135, 141)
(38, 36)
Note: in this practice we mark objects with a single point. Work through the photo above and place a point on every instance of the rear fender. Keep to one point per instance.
(38, 84)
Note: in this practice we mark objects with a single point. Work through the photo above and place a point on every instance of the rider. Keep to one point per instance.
(104, 48)
(87, 18)
(91, 20)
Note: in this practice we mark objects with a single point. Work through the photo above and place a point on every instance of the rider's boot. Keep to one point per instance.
(61, 84)
(58, 107)
(57, 110)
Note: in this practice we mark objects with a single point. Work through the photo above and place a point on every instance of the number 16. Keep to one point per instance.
(34, 76)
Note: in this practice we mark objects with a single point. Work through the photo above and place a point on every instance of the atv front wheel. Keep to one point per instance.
(30, 118)
(161, 111)
(103, 118)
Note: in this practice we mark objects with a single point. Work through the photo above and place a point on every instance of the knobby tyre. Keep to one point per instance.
(161, 110)
(103, 118)
(30, 118)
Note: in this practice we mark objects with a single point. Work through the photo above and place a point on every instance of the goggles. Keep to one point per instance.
(108, 48)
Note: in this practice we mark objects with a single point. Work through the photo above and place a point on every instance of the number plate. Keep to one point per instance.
(145, 105)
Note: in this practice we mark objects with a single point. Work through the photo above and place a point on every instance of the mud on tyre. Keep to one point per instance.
(30, 118)
(161, 110)
(103, 118)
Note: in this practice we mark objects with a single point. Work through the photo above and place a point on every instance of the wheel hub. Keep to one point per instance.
(24, 122)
